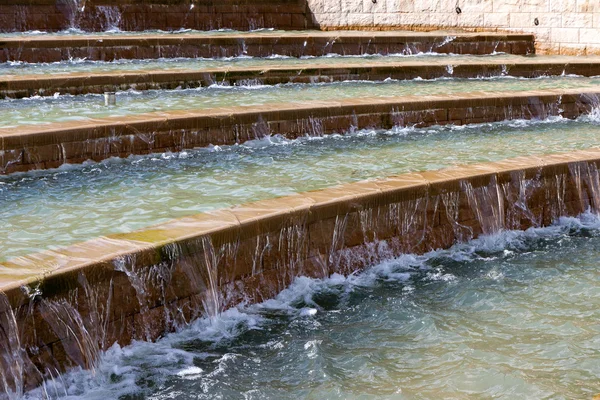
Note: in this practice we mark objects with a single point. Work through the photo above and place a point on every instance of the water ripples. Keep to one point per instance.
(75, 203)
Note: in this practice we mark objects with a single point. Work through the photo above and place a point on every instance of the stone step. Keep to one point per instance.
(99, 280)
(19, 86)
(38, 147)
(53, 48)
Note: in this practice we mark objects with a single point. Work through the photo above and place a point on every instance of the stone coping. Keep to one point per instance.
(52, 41)
(256, 216)
(25, 148)
(293, 44)
(82, 82)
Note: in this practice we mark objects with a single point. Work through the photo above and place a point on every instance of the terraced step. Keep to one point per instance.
(307, 43)
(31, 147)
(261, 248)
(19, 86)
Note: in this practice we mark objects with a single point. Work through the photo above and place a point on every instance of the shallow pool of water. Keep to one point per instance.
(45, 209)
(114, 31)
(78, 65)
(511, 316)
(46, 110)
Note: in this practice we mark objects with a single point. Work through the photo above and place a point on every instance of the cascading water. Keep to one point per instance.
(72, 10)
(518, 191)
(83, 336)
(73, 322)
(112, 17)
(13, 354)
(487, 204)
(451, 203)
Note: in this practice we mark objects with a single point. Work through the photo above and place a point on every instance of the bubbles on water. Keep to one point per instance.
(592, 117)
(308, 312)
(440, 276)
(190, 372)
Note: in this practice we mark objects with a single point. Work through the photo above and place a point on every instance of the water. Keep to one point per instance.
(37, 111)
(74, 203)
(174, 64)
(514, 315)
(152, 32)
(113, 31)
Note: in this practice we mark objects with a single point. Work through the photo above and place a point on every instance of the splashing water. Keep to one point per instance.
(507, 315)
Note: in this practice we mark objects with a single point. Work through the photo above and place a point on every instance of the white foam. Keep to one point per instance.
(120, 368)
(190, 371)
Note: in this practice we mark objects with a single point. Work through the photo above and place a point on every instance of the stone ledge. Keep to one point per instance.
(40, 147)
(307, 43)
(140, 285)
(18, 86)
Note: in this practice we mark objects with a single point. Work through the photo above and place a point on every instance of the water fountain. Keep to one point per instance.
(239, 166)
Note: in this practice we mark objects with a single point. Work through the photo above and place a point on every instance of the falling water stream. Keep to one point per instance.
(511, 315)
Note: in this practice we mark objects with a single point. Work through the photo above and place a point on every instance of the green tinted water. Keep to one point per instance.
(54, 208)
(40, 111)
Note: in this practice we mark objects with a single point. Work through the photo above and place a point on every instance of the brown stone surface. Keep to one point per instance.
(307, 43)
(100, 15)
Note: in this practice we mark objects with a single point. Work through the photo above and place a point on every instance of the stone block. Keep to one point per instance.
(577, 20)
(399, 6)
(359, 20)
(496, 20)
(386, 19)
(508, 6)
(562, 6)
(589, 36)
(444, 19)
(587, 6)
(325, 6)
(520, 20)
(377, 7)
(596, 20)
(548, 20)
(352, 7)
(564, 35)
(417, 18)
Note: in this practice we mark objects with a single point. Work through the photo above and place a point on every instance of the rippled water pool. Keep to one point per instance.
(512, 316)
(69, 108)
(75, 203)
(72, 66)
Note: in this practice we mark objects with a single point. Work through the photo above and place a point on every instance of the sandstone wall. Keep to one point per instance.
(563, 26)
